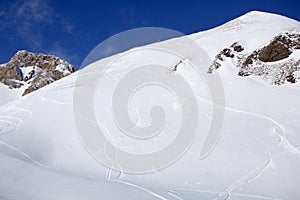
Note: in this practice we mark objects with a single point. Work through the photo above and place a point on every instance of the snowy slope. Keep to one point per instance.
(8, 95)
(257, 156)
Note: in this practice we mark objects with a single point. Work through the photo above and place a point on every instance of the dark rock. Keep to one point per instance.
(243, 73)
(251, 58)
(237, 47)
(12, 83)
(29, 75)
(278, 49)
(227, 52)
(290, 78)
(57, 74)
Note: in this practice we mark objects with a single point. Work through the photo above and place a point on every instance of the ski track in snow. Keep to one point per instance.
(24, 154)
(44, 98)
(171, 193)
(273, 152)
(157, 196)
(10, 123)
(283, 143)
(141, 188)
(216, 193)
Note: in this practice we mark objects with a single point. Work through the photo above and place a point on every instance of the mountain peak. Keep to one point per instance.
(29, 71)
(257, 16)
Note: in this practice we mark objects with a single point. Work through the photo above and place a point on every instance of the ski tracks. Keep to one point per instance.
(11, 117)
(282, 146)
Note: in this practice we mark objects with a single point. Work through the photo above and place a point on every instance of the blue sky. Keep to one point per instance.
(70, 29)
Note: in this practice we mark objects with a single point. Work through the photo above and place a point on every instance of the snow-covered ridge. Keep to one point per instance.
(28, 72)
(253, 30)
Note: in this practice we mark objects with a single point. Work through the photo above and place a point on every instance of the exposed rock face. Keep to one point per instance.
(9, 71)
(227, 52)
(274, 62)
(33, 70)
(279, 48)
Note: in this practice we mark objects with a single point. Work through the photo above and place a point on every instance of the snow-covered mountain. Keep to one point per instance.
(28, 72)
(257, 155)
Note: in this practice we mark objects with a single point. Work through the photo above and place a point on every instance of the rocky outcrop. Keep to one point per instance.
(230, 52)
(279, 48)
(273, 62)
(9, 71)
(33, 70)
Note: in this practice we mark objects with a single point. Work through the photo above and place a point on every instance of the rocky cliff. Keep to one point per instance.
(30, 71)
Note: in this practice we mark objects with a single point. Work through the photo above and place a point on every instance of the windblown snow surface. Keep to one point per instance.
(256, 157)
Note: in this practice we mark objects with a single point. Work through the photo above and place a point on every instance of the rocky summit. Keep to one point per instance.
(30, 71)
(277, 62)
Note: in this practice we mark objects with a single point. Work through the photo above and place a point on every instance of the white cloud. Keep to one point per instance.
(27, 18)
(33, 10)
(23, 14)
